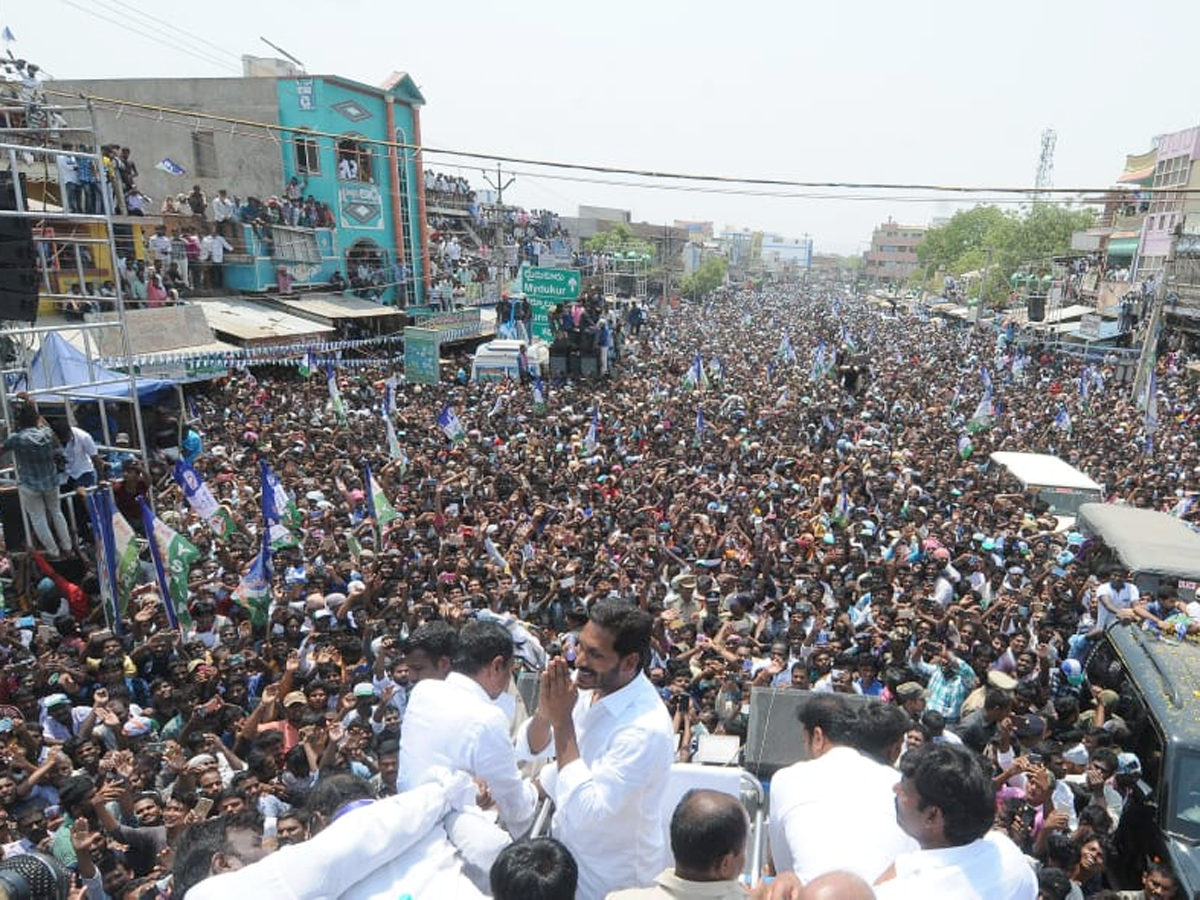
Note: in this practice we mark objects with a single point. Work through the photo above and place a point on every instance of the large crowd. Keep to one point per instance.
(824, 527)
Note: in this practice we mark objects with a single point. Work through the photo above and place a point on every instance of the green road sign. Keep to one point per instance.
(547, 288)
(421, 355)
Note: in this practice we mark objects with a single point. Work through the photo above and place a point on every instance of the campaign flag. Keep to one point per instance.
(965, 447)
(786, 351)
(818, 366)
(695, 378)
(592, 439)
(307, 364)
(168, 165)
(957, 395)
(378, 507)
(124, 555)
(700, 426)
(335, 394)
(450, 424)
(173, 556)
(1151, 423)
(716, 370)
(539, 396)
(275, 506)
(1062, 421)
(105, 567)
(985, 379)
(393, 442)
(981, 419)
(9, 37)
(1183, 507)
(202, 501)
(253, 592)
(847, 340)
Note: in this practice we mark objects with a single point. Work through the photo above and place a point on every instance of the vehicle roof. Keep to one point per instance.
(1168, 673)
(1043, 470)
(1144, 540)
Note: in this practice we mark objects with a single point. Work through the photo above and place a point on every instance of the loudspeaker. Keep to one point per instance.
(15, 538)
(573, 365)
(18, 258)
(558, 364)
(1037, 307)
(773, 733)
(589, 365)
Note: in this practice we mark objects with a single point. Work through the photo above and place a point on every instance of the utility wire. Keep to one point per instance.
(652, 174)
(190, 35)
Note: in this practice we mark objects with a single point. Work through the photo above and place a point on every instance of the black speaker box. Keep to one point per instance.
(15, 539)
(589, 365)
(558, 364)
(773, 731)
(1037, 307)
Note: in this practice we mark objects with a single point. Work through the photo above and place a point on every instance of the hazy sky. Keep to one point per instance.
(918, 92)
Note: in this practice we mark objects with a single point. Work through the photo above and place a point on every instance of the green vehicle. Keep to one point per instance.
(1159, 683)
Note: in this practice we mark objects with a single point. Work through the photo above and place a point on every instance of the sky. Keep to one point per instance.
(857, 91)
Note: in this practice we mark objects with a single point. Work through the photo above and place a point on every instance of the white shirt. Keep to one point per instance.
(214, 247)
(608, 802)
(223, 208)
(454, 724)
(79, 452)
(387, 849)
(1122, 599)
(836, 813)
(991, 868)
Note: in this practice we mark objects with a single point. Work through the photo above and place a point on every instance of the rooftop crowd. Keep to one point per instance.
(784, 523)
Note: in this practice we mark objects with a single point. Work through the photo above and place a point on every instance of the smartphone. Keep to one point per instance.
(203, 807)
(1035, 759)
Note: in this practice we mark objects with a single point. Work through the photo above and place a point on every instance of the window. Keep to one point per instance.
(204, 152)
(308, 156)
(296, 244)
(354, 161)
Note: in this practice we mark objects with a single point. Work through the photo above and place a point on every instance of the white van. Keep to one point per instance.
(497, 360)
(1058, 484)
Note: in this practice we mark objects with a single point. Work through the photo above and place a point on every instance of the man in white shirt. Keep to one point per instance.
(613, 740)
(835, 810)
(394, 847)
(213, 248)
(945, 800)
(456, 724)
(223, 209)
(1115, 600)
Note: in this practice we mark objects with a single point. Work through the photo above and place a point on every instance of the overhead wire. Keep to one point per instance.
(767, 187)
(127, 26)
(190, 35)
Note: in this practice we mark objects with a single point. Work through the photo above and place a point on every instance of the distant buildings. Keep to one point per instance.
(893, 254)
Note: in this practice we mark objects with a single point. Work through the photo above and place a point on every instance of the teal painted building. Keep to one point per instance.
(375, 191)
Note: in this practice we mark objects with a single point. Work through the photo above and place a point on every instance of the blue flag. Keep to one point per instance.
(105, 560)
(168, 165)
(253, 592)
(700, 425)
(592, 440)
(450, 424)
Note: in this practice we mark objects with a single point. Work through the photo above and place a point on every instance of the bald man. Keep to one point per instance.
(830, 886)
(708, 841)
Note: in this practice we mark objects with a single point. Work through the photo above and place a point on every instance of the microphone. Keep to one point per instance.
(34, 876)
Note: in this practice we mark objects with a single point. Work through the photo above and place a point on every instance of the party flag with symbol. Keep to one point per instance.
(123, 541)
(700, 426)
(173, 556)
(105, 560)
(695, 378)
(965, 446)
(335, 393)
(202, 501)
(275, 503)
(786, 351)
(450, 424)
(168, 165)
(307, 364)
(539, 396)
(378, 507)
(592, 439)
(253, 592)
(818, 366)
(1062, 421)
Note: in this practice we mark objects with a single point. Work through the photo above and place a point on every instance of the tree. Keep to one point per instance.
(619, 237)
(706, 279)
(1015, 239)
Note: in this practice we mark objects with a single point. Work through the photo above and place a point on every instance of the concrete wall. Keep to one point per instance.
(248, 161)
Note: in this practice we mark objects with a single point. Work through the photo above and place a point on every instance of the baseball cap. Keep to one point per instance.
(295, 697)
(1074, 671)
(1128, 764)
(1076, 755)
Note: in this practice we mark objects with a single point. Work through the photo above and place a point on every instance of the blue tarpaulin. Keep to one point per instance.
(59, 364)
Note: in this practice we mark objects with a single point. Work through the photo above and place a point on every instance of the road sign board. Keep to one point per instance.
(547, 288)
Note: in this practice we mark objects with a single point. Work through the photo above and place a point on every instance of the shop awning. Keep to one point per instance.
(1122, 248)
